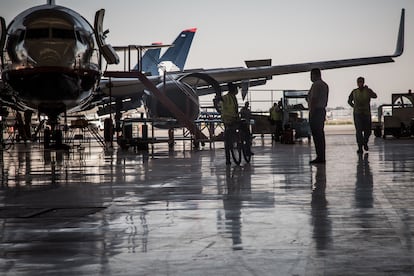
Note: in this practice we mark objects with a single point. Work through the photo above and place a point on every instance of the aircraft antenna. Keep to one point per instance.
(51, 2)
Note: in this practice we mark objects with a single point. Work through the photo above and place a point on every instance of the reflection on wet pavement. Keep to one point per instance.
(183, 212)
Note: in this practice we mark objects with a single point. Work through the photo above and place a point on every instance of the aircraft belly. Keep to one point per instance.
(49, 89)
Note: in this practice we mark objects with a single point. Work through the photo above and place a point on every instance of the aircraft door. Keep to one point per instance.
(3, 38)
(106, 50)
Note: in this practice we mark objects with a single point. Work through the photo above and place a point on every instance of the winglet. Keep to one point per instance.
(400, 41)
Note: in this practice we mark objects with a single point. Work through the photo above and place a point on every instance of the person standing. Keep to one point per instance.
(245, 112)
(230, 117)
(360, 101)
(276, 119)
(246, 115)
(317, 102)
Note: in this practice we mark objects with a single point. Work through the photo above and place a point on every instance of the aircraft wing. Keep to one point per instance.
(234, 75)
(122, 88)
(225, 75)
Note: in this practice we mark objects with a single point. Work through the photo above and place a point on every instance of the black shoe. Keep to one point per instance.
(366, 147)
(317, 161)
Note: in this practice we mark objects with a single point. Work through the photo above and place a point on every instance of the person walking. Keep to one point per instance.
(317, 102)
(360, 101)
(230, 117)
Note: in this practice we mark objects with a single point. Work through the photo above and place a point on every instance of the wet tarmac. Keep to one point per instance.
(183, 212)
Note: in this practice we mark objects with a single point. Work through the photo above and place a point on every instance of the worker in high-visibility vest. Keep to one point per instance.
(230, 116)
(276, 119)
(360, 99)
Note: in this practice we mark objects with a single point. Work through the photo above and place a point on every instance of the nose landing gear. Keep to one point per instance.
(53, 136)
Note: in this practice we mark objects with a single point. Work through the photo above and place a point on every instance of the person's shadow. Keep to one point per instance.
(364, 183)
(238, 183)
(322, 225)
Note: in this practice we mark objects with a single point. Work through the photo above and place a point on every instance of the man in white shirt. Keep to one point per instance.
(317, 101)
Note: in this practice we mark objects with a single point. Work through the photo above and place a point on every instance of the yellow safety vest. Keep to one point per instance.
(229, 109)
(275, 115)
(362, 101)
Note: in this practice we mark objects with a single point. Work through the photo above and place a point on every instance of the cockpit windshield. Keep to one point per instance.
(53, 33)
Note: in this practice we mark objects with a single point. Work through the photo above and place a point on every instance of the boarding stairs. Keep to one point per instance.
(97, 135)
(78, 131)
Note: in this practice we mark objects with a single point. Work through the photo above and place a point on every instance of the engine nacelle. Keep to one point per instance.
(181, 94)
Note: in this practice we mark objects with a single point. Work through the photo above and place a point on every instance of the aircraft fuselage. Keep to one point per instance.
(50, 59)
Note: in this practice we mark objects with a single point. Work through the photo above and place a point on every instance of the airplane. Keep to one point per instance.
(52, 57)
(184, 88)
(152, 64)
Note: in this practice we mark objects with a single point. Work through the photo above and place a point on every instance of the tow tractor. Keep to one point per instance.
(397, 118)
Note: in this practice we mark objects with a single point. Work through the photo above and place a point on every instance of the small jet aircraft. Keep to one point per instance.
(152, 64)
(51, 62)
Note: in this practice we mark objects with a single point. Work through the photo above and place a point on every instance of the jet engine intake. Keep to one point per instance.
(183, 93)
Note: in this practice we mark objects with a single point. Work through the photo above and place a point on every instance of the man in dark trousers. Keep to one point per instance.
(360, 99)
(276, 119)
(229, 116)
(317, 101)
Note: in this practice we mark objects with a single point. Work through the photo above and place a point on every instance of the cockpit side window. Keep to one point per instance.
(21, 36)
(12, 42)
(79, 37)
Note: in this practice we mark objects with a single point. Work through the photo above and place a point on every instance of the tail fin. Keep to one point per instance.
(179, 52)
(176, 54)
(150, 59)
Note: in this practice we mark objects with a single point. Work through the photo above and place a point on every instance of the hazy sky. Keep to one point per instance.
(288, 32)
